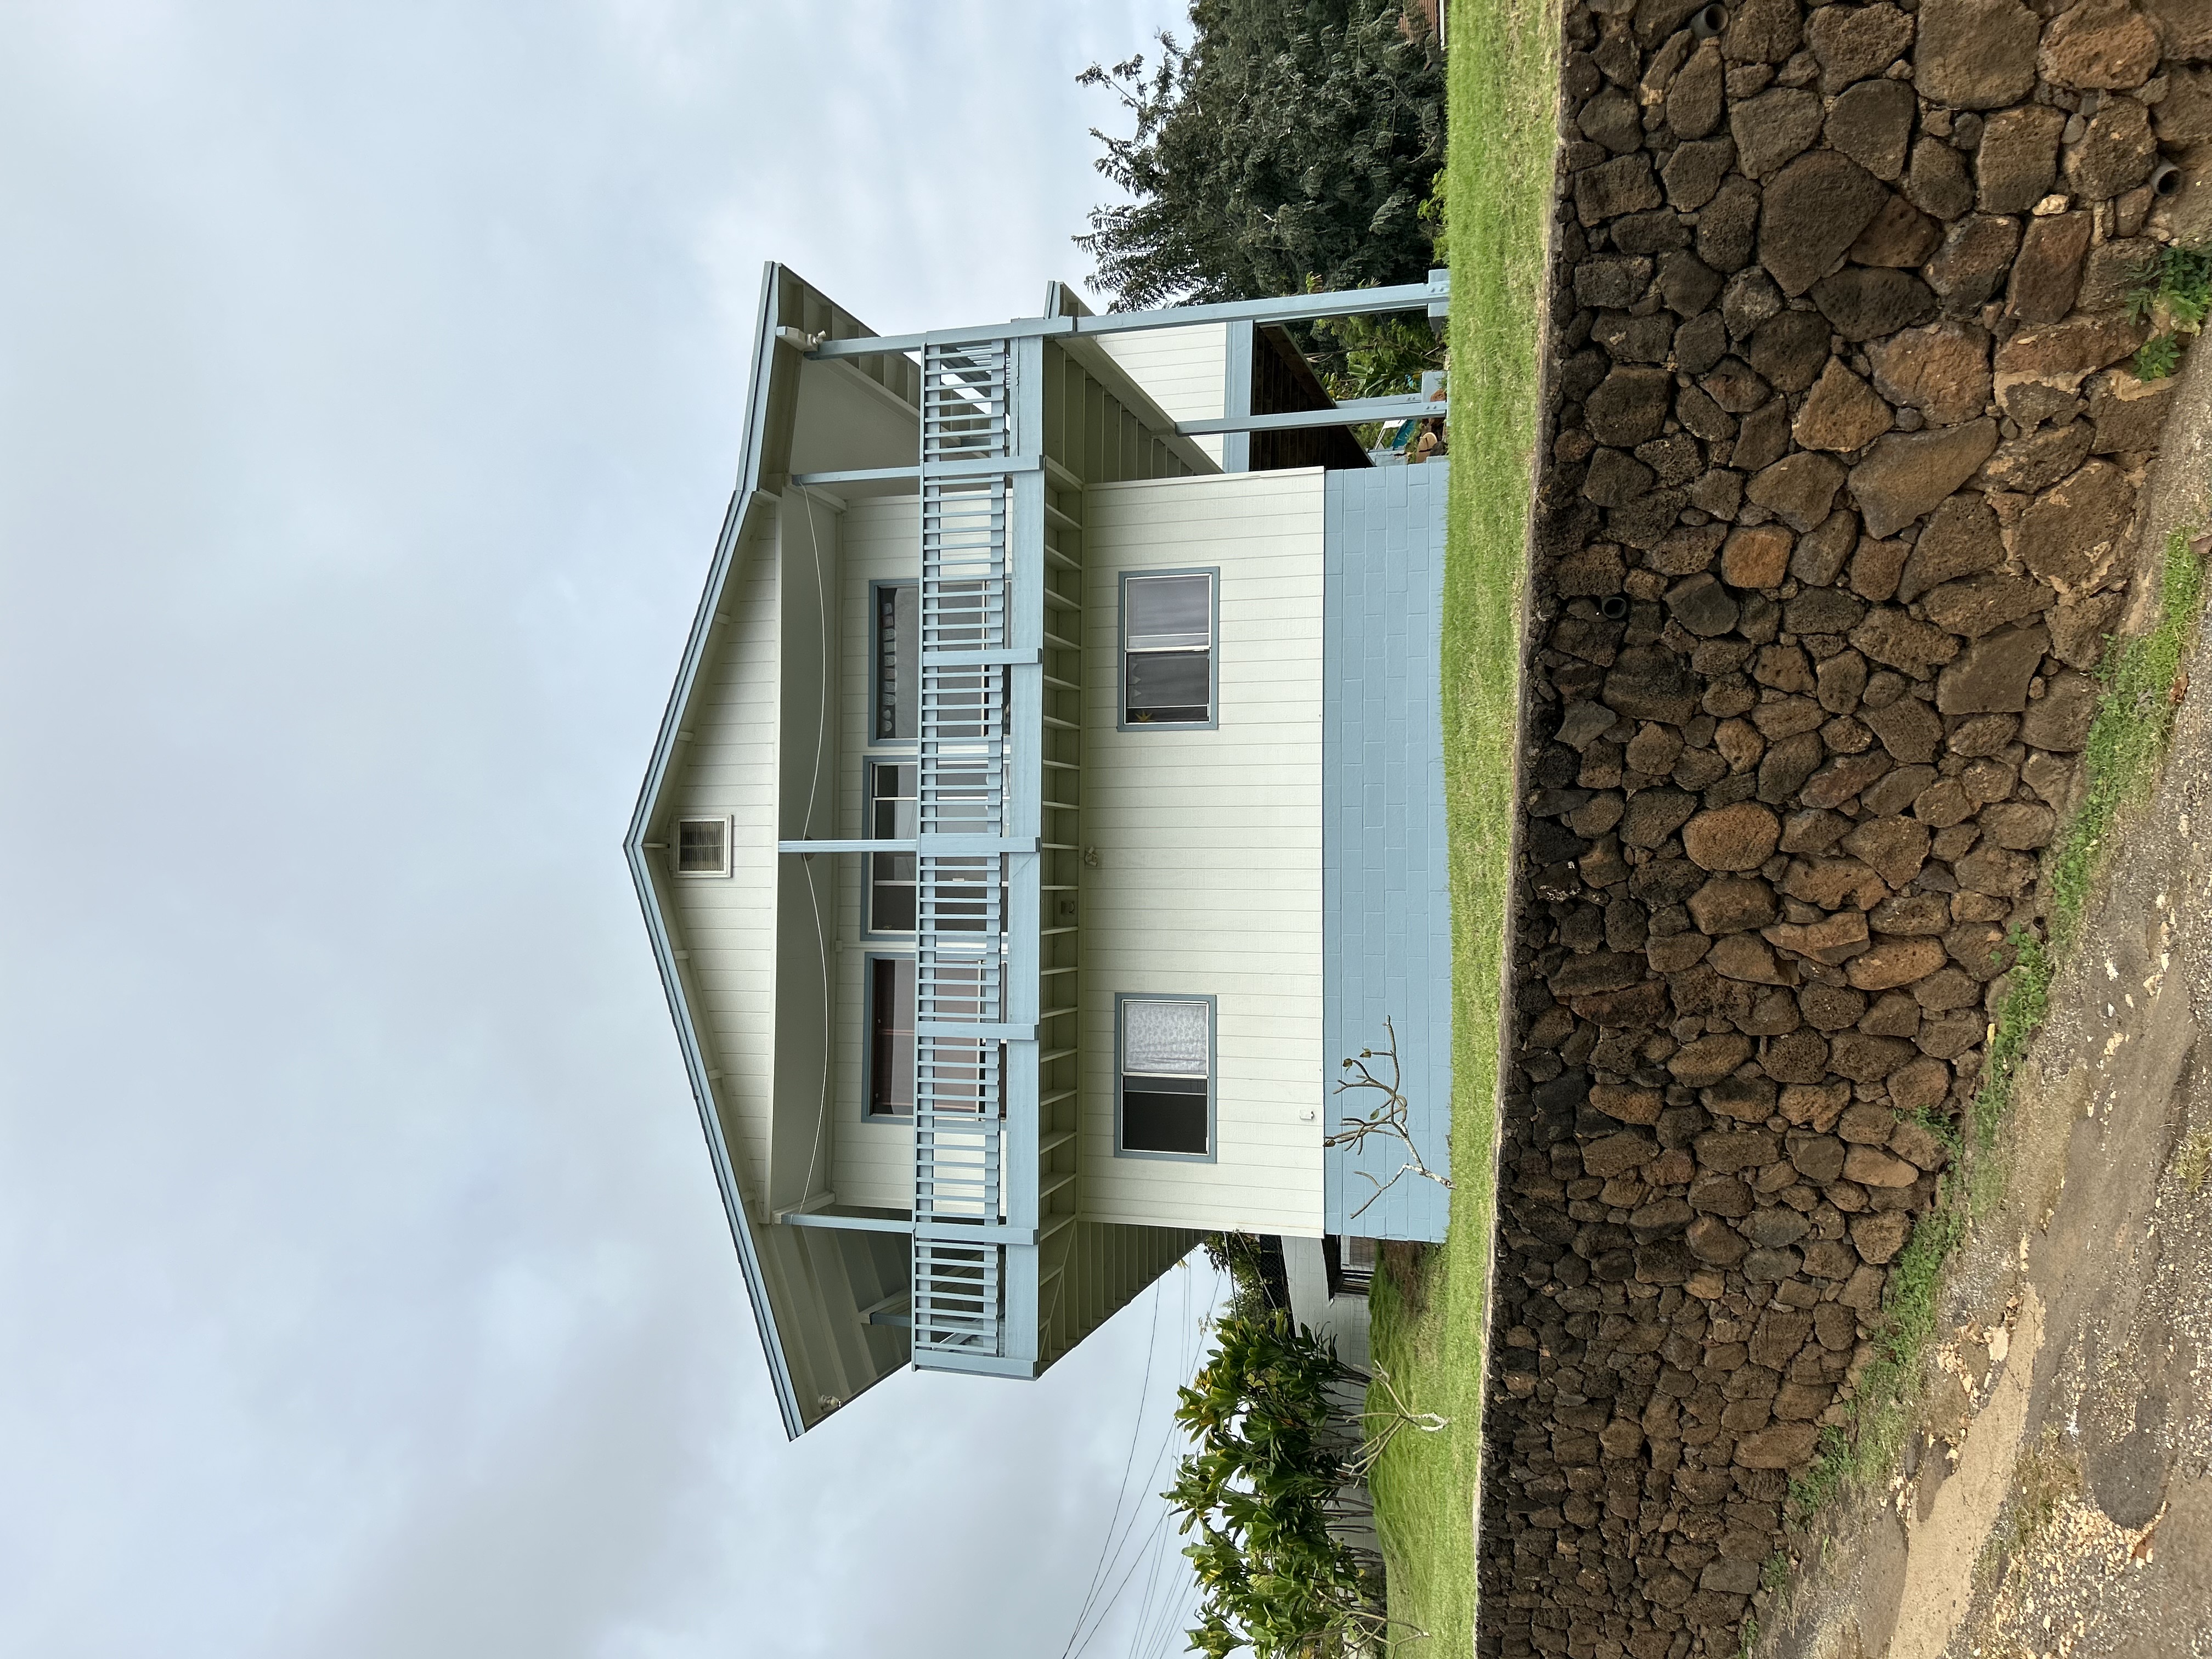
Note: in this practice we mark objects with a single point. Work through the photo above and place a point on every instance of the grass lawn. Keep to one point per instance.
(1503, 81)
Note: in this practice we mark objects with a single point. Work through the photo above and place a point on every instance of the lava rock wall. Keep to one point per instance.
(1844, 453)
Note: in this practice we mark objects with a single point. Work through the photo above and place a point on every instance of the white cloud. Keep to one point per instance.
(371, 399)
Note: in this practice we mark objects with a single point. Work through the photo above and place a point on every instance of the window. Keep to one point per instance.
(1166, 1046)
(898, 661)
(890, 1036)
(1167, 649)
(891, 817)
(703, 847)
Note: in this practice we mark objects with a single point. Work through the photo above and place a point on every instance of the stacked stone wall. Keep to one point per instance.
(1845, 451)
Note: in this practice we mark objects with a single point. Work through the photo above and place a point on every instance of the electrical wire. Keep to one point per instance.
(813, 789)
(1120, 1494)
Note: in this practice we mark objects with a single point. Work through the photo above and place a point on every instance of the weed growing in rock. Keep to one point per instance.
(2192, 1164)
(2172, 294)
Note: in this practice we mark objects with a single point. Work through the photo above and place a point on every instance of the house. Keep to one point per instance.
(1050, 798)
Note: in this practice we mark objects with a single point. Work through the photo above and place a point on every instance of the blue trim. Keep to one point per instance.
(867, 1038)
(1122, 721)
(1212, 1152)
(1385, 895)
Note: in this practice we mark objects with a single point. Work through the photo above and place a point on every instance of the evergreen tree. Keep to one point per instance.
(1291, 145)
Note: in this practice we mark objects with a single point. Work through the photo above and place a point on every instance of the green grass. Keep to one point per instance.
(1503, 81)
(2127, 742)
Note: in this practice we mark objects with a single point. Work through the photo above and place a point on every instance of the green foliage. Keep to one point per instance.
(2172, 294)
(1288, 144)
(2192, 1160)
(1274, 1419)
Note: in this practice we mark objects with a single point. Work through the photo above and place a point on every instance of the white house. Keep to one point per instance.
(1050, 798)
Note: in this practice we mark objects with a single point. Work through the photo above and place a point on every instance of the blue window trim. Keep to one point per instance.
(1122, 721)
(868, 960)
(1212, 1152)
(885, 755)
(876, 585)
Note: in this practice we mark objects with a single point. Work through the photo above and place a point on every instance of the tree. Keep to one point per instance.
(1291, 145)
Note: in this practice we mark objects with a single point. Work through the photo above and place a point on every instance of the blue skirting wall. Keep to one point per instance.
(1386, 901)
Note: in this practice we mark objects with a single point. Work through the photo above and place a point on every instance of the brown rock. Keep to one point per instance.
(1871, 124)
(1941, 370)
(1910, 473)
(1713, 1242)
(1650, 683)
(1993, 674)
(1880, 1236)
(2115, 154)
(1913, 914)
(1975, 54)
(2129, 414)
(1979, 604)
(1875, 568)
(1912, 1143)
(1994, 870)
(1789, 347)
(1916, 1086)
(1624, 184)
(2020, 825)
(1938, 183)
(1841, 779)
(1833, 941)
(1704, 1062)
(2018, 160)
(1862, 304)
(1783, 1446)
(1854, 42)
(2113, 268)
(1730, 904)
(1865, 1059)
(1730, 1152)
(1896, 792)
(1832, 883)
(1826, 1258)
(2078, 629)
(1739, 837)
(1960, 539)
(1693, 99)
(2060, 719)
(1654, 815)
(1889, 635)
(1901, 236)
(1985, 734)
(2186, 26)
(1756, 556)
(1975, 253)
(1894, 1014)
(1866, 1124)
(2102, 44)
(1747, 959)
(1909, 730)
(2048, 272)
(1819, 556)
(1812, 213)
(1800, 1056)
(1869, 1168)
(1774, 126)
(1616, 1154)
(1722, 1195)
(1630, 406)
(1892, 848)
(2038, 370)
(1895, 962)
(1734, 386)
(1947, 989)
(1630, 1105)
(2036, 460)
(1762, 32)
(1841, 413)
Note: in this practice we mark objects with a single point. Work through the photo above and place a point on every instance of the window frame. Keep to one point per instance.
(904, 756)
(1212, 1152)
(876, 585)
(729, 822)
(1122, 721)
(868, 961)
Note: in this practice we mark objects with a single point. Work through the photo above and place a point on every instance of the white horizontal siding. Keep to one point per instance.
(1182, 369)
(1208, 879)
(727, 925)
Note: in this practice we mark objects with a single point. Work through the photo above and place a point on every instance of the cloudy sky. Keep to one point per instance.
(370, 391)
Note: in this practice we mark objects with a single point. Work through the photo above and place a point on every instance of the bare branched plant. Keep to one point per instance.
(1383, 1426)
(1387, 1119)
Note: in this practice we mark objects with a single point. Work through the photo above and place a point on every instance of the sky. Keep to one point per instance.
(370, 393)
